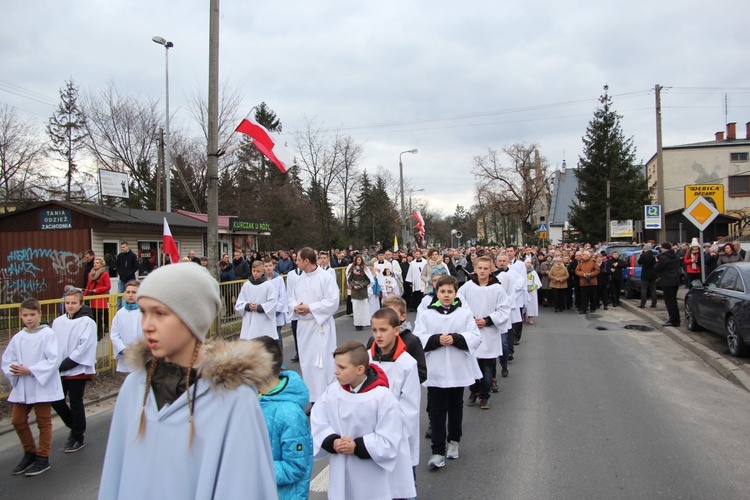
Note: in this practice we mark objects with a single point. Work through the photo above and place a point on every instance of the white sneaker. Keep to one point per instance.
(452, 450)
(436, 462)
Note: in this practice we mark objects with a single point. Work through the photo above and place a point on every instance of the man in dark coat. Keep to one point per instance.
(127, 266)
(647, 261)
(667, 267)
(241, 266)
(88, 265)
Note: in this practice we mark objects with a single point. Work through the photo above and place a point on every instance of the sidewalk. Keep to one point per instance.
(709, 346)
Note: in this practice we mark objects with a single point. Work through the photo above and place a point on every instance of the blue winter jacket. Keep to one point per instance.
(289, 432)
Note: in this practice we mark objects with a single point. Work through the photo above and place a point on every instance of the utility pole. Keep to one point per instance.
(608, 233)
(660, 165)
(212, 239)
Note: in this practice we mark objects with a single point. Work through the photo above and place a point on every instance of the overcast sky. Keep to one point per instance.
(449, 78)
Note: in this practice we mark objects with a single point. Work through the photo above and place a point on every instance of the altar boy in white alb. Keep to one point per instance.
(357, 421)
(388, 351)
(126, 327)
(314, 298)
(256, 304)
(491, 308)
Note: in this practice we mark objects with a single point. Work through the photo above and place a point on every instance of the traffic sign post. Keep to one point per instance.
(652, 216)
(701, 213)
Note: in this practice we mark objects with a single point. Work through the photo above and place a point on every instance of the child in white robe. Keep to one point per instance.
(31, 363)
(450, 337)
(389, 352)
(126, 327)
(256, 305)
(357, 421)
(533, 284)
(76, 333)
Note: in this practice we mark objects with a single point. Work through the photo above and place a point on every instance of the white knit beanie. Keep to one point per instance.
(189, 291)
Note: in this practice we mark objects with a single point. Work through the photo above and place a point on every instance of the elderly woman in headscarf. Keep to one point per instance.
(558, 282)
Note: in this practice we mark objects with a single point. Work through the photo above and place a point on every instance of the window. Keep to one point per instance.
(731, 280)
(738, 157)
(739, 185)
(714, 278)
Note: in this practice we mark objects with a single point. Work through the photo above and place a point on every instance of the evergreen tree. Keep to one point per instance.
(67, 131)
(607, 156)
(376, 214)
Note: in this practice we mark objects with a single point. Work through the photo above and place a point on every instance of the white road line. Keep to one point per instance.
(320, 483)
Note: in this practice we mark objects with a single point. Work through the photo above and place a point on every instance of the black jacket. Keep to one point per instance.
(616, 270)
(127, 265)
(668, 268)
(647, 261)
(241, 269)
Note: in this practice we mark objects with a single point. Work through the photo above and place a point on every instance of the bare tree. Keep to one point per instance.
(524, 181)
(319, 158)
(230, 104)
(20, 149)
(122, 136)
(347, 178)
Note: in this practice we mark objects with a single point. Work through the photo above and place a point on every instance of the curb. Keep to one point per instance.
(712, 358)
(286, 331)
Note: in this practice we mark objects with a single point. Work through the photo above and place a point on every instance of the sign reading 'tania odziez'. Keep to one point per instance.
(55, 219)
(238, 224)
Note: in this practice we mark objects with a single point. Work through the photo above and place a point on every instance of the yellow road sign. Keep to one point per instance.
(713, 193)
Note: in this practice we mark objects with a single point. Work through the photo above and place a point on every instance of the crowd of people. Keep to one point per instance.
(200, 406)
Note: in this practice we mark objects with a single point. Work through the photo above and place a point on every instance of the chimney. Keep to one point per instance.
(719, 136)
(747, 130)
(731, 134)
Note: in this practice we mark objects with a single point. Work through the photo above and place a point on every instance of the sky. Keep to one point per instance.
(451, 79)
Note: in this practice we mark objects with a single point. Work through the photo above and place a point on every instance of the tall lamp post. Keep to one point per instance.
(168, 157)
(401, 176)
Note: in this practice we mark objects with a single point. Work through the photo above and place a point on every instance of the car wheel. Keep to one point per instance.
(692, 323)
(629, 291)
(735, 343)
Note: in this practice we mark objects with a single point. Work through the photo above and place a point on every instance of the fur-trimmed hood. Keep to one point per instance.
(227, 364)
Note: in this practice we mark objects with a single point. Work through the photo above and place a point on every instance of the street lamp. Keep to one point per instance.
(401, 175)
(168, 158)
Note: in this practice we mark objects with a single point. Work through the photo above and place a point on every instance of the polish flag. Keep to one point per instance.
(418, 217)
(268, 144)
(168, 246)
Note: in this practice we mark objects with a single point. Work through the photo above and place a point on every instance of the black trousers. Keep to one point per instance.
(294, 334)
(615, 287)
(588, 298)
(73, 416)
(416, 299)
(445, 403)
(648, 286)
(670, 300)
(603, 295)
(558, 295)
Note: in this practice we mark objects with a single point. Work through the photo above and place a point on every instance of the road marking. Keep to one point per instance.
(320, 483)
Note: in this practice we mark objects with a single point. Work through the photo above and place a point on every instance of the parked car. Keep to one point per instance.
(615, 246)
(631, 275)
(722, 305)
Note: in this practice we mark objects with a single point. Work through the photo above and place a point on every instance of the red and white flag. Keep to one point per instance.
(168, 246)
(268, 144)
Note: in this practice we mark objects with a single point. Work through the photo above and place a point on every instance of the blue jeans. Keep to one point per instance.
(506, 351)
(488, 367)
(120, 289)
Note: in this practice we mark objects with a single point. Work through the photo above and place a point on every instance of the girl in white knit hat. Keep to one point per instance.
(187, 423)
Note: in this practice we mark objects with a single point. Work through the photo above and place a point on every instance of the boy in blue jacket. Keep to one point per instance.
(283, 401)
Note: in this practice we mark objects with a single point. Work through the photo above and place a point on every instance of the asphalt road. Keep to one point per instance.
(590, 410)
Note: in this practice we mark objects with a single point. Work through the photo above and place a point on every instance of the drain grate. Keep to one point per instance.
(640, 328)
(601, 328)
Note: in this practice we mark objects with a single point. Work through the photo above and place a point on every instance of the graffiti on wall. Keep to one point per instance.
(30, 272)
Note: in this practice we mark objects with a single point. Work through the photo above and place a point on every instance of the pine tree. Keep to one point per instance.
(67, 130)
(607, 155)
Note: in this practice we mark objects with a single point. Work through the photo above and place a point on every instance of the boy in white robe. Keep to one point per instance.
(256, 305)
(315, 298)
(281, 302)
(76, 333)
(414, 276)
(389, 352)
(126, 327)
(357, 421)
(31, 362)
(450, 337)
(490, 307)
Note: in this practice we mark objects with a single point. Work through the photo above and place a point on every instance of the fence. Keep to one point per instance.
(228, 323)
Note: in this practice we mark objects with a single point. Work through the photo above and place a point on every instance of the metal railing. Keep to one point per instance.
(228, 323)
